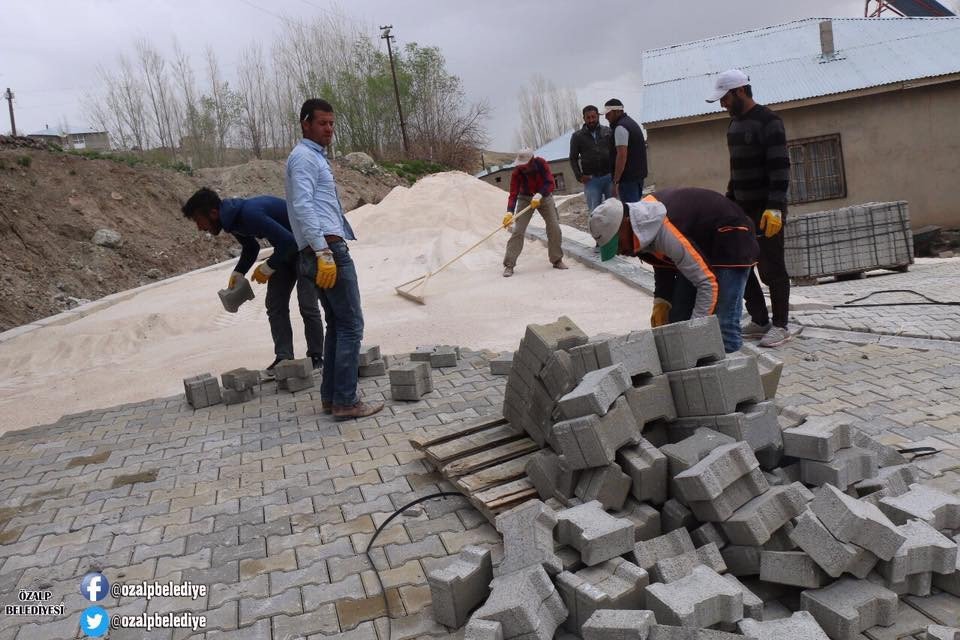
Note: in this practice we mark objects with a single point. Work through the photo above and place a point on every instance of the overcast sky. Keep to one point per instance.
(50, 49)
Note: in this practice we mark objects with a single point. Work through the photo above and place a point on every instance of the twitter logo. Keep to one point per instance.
(94, 621)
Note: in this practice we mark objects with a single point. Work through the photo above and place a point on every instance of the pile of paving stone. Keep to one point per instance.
(677, 506)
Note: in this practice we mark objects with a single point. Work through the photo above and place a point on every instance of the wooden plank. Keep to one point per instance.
(488, 457)
(506, 493)
(464, 428)
(471, 443)
(497, 474)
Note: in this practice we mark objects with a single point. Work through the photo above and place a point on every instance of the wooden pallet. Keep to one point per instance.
(486, 461)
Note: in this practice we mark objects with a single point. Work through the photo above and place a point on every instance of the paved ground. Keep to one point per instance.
(271, 503)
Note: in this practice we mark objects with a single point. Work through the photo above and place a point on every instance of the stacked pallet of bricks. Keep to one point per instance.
(848, 240)
(674, 503)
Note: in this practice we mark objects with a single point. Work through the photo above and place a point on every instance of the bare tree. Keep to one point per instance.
(156, 83)
(546, 111)
(254, 98)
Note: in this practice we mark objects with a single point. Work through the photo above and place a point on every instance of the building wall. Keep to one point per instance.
(898, 145)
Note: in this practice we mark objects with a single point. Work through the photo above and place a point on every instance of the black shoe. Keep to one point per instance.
(317, 364)
(267, 374)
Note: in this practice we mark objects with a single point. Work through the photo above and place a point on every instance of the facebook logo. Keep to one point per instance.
(94, 586)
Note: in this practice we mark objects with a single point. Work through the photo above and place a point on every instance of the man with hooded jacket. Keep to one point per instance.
(702, 236)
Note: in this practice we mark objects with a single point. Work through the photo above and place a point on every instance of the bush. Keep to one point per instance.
(24, 161)
(413, 170)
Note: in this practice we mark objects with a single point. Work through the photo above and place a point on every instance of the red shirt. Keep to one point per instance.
(540, 180)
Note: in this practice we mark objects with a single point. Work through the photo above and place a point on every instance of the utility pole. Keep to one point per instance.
(13, 124)
(396, 89)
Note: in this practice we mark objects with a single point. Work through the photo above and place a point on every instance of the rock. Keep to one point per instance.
(359, 160)
(107, 238)
(233, 251)
(153, 274)
(116, 196)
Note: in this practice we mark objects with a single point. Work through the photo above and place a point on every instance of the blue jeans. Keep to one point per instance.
(344, 317)
(730, 283)
(630, 191)
(596, 190)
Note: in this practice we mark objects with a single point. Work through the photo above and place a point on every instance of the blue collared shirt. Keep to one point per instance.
(312, 201)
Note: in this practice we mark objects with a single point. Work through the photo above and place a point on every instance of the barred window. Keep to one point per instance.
(561, 184)
(816, 169)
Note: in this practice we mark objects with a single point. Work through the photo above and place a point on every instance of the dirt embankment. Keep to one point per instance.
(53, 204)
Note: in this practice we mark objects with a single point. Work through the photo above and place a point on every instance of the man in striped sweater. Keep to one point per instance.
(759, 178)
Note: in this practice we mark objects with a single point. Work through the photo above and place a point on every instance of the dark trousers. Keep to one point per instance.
(773, 272)
(279, 287)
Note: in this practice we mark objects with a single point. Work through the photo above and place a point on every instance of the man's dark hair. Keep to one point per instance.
(314, 104)
(201, 202)
(590, 108)
(747, 89)
(613, 102)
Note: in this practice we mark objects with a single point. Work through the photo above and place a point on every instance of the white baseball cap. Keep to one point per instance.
(729, 79)
(523, 156)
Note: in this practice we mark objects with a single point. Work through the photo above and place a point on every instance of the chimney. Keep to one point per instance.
(826, 38)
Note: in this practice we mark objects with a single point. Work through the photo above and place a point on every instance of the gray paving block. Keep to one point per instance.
(668, 632)
(940, 632)
(647, 467)
(593, 440)
(528, 538)
(800, 625)
(646, 554)
(684, 345)
(544, 339)
(300, 368)
(887, 456)
(479, 629)
(851, 520)
(849, 606)
(893, 480)
(410, 374)
(689, 451)
(672, 569)
(614, 584)
(848, 466)
(784, 474)
(720, 468)
(597, 535)
(617, 624)
(636, 351)
(230, 396)
(240, 379)
(524, 602)
(231, 299)
(702, 599)
(411, 392)
(755, 522)
(652, 400)
(739, 493)
(752, 603)
(717, 388)
(584, 359)
(551, 476)
(607, 484)
(742, 560)
(833, 556)
(293, 384)
(558, 375)
(949, 582)
(916, 584)
(770, 367)
(794, 568)
(935, 507)
(202, 390)
(369, 353)
(375, 369)
(818, 438)
(596, 392)
(501, 365)
(925, 550)
(757, 425)
(707, 533)
(422, 353)
(674, 515)
(780, 540)
(458, 587)
(443, 357)
(645, 519)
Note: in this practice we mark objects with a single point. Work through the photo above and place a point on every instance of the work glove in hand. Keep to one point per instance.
(535, 201)
(507, 219)
(661, 313)
(771, 222)
(234, 280)
(326, 269)
(262, 273)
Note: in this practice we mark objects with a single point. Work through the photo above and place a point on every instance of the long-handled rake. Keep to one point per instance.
(407, 289)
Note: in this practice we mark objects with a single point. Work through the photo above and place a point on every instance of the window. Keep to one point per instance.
(561, 184)
(816, 169)
(498, 179)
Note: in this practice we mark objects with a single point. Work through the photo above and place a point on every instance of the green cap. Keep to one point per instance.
(609, 250)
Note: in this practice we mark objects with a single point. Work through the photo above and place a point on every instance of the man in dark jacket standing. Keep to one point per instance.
(590, 157)
(628, 155)
(759, 179)
(248, 219)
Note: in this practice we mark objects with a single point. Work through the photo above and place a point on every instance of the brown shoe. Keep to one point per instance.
(327, 406)
(559, 265)
(359, 410)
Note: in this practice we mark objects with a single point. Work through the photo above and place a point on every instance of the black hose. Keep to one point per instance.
(929, 300)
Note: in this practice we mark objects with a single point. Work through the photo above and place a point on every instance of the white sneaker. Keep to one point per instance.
(754, 331)
(775, 337)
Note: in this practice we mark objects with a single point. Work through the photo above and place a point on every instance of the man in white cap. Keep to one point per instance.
(628, 155)
(697, 234)
(531, 183)
(759, 179)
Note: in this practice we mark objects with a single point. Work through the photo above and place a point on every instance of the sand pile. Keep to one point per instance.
(144, 345)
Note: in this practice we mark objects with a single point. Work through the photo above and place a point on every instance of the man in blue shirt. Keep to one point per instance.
(321, 231)
(265, 217)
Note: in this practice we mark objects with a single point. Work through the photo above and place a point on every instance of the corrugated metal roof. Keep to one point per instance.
(784, 62)
(556, 149)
